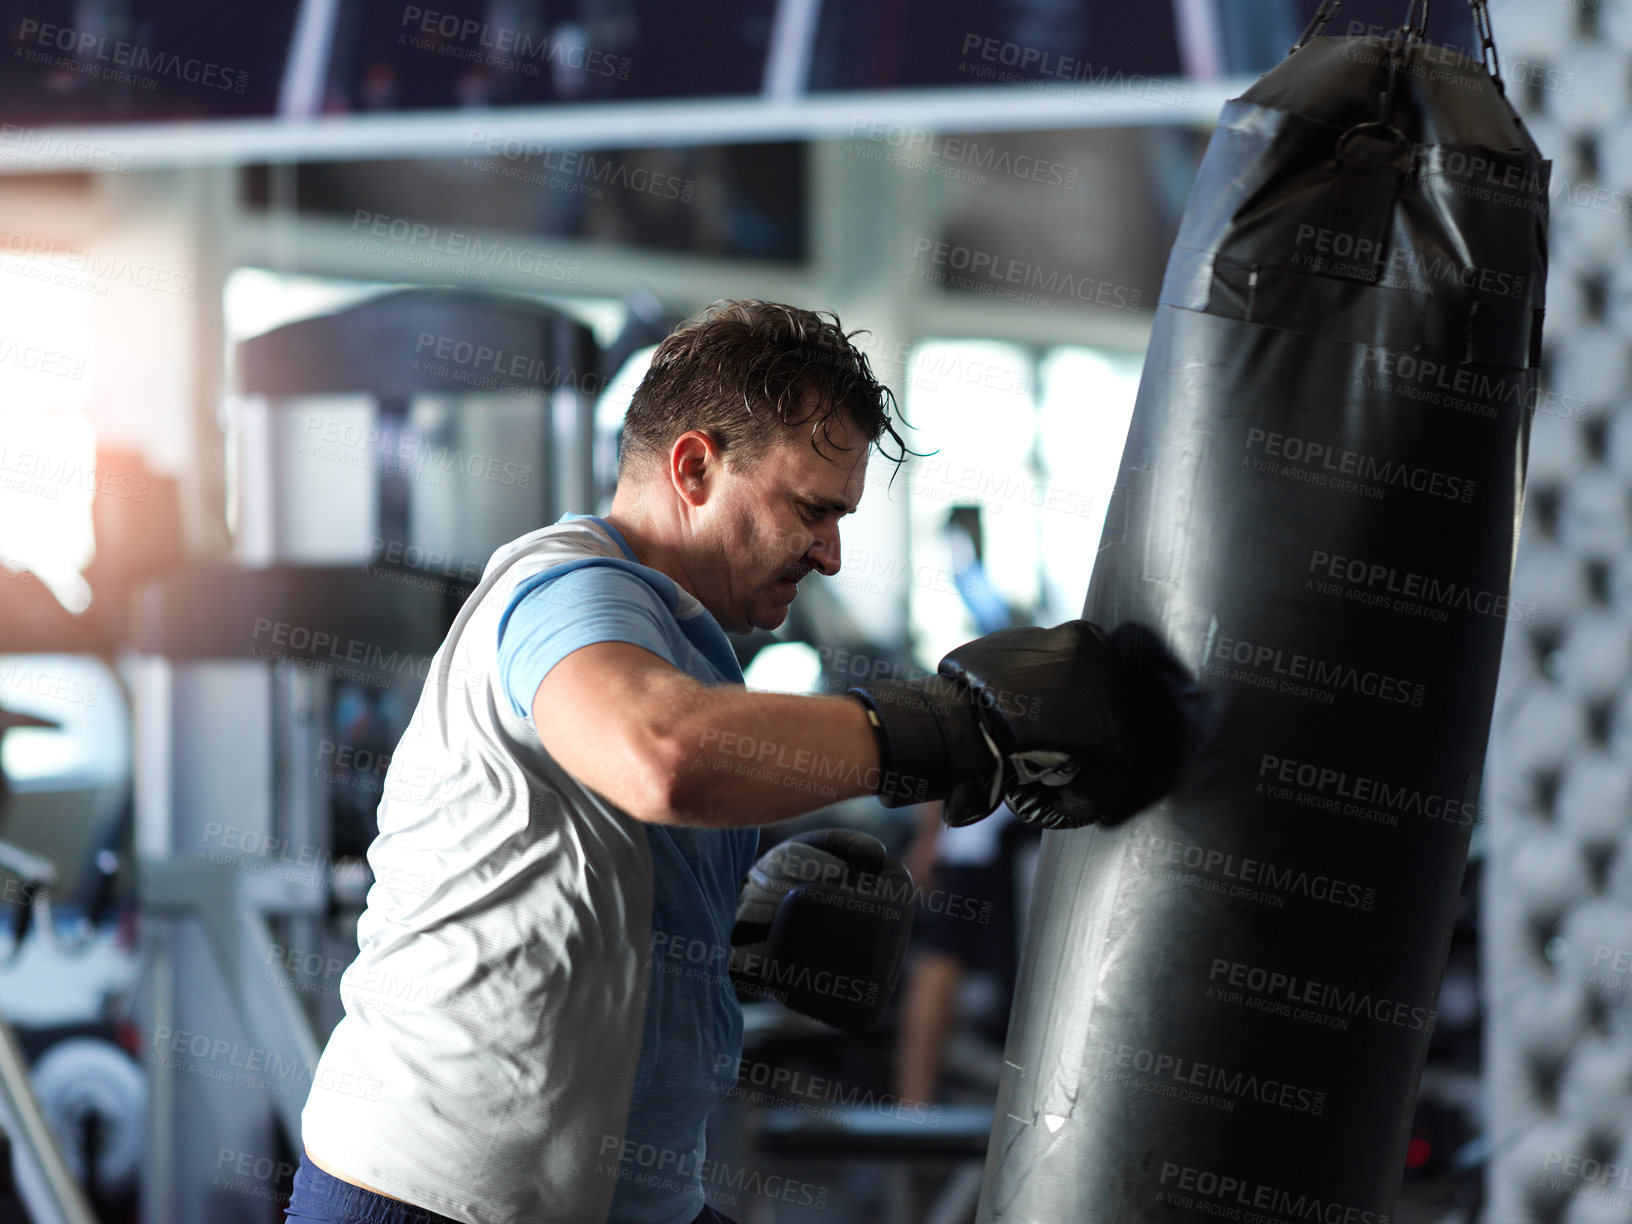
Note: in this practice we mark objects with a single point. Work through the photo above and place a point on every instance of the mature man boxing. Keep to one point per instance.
(541, 998)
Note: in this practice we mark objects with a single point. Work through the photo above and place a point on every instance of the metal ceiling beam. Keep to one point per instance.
(1134, 101)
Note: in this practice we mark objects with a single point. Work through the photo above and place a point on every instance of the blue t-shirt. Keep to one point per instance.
(692, 1034)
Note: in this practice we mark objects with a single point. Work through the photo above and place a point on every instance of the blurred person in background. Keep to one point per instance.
(968, 921)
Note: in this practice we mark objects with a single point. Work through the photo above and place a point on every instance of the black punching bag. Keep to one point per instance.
(1225, 1002)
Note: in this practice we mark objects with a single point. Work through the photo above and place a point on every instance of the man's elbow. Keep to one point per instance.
(667, 791)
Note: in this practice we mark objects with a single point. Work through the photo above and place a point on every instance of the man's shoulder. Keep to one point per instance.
(567, 540)
(580, 543)
(577, 558)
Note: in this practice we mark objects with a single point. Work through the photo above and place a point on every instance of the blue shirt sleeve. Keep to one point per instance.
(553, 615)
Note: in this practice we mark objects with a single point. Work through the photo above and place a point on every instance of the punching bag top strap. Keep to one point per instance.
(1481, 26)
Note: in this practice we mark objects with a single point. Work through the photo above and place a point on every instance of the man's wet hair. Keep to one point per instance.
(747, 372)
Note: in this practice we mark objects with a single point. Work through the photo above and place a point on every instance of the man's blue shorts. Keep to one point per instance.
(321, 1198)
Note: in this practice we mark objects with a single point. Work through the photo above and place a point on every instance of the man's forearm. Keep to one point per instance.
(749, 758)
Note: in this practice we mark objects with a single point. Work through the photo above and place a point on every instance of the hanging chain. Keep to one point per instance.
(1487, 41)
(1323, 16)
(1420, 30)
(1481, 26)
(1414, 29)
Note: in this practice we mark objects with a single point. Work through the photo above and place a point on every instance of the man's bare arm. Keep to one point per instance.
(670, 750)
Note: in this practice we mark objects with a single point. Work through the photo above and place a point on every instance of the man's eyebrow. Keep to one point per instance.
(828, 503)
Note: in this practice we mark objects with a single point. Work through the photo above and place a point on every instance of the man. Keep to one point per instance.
(568, 807)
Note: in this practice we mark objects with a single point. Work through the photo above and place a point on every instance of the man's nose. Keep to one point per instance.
(824, 552)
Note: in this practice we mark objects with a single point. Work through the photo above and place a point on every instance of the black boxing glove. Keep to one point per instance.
(1011, 712)
(822, 927)
(1166, 718)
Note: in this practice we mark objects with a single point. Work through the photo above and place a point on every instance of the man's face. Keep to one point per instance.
(767, 526)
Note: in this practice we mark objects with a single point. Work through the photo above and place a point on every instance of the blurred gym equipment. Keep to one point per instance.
(381, 453)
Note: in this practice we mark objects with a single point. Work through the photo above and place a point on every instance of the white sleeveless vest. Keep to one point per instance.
(494, 1013)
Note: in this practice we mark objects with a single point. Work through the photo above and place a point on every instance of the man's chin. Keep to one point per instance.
(768, 618)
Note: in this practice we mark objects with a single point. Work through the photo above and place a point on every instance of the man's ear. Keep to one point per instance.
(694, 460)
